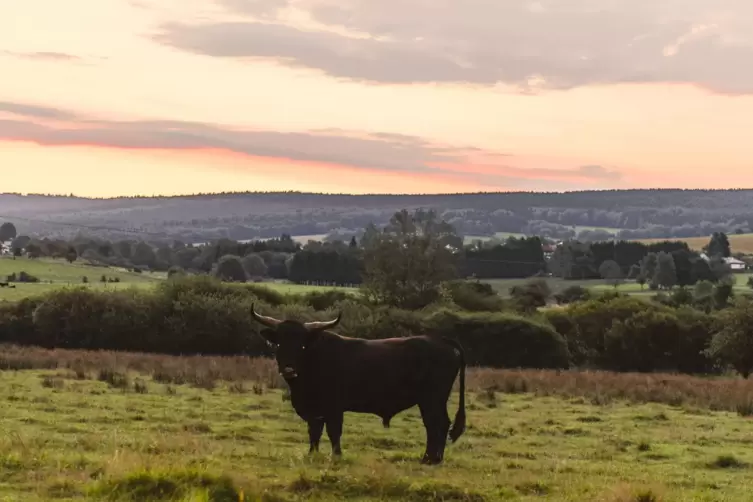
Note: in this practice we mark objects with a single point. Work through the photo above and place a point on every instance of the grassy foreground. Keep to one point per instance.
(106, 426)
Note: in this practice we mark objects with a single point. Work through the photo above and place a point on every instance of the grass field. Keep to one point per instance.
(55, 274)
(502, 286)
(59, 271)
(98, 430)
(742, 243)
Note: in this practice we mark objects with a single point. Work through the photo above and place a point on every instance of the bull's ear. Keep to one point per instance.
(270, 335)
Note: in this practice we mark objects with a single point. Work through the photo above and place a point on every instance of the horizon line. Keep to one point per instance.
(375, 194)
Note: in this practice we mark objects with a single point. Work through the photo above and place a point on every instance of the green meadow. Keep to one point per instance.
(105, 426)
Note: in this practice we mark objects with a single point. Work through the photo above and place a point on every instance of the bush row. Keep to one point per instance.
(621, 333)
(198, 315)
(202, 316)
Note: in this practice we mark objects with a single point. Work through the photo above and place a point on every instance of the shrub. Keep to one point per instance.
(200, 314)
(733, 343)
(587, 322)
(323, 300)
(267, 295)
(572, 294)
(531, 295)
(475, 296)
(22, 277)
(502, 340)
(82, 318)
(230, 268)
(646, 341)
(175, 270)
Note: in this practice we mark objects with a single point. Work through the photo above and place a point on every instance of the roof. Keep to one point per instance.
(733, 261)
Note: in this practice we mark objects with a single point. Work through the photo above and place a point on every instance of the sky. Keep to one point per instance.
(121, 97)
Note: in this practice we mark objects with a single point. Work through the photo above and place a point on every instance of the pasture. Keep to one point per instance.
(502, 286)
(55, 274)
(739, 243)
(107, 426)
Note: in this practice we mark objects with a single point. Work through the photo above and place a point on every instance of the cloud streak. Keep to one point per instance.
(45, 56)
(388, 152)
(524, 43)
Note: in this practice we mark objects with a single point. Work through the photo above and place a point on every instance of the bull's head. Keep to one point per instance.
(291, 339)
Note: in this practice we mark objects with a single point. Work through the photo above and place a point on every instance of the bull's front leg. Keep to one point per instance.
(334, 432)
(316, 428)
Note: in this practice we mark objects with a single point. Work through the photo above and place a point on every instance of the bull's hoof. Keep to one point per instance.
(431, 460)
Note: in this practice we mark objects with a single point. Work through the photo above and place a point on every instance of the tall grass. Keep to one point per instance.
(597, 387)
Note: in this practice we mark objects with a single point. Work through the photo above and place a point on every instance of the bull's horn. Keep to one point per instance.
(320, 325)
(270, 322)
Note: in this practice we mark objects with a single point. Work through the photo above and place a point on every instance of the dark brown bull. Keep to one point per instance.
(329, 374)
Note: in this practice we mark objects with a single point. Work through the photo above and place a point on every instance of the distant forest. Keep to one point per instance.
(585, 215)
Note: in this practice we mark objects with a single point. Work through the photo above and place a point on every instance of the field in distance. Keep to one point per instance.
(56, 274)
(99, 432)
(739, 243)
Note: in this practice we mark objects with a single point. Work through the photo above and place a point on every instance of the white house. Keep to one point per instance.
(734, 264)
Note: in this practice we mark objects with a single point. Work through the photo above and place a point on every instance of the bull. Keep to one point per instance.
(329, 374)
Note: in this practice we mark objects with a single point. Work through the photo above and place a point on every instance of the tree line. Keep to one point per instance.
(413, 248)
(585, 216)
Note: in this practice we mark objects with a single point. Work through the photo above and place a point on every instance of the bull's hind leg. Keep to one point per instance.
(316, 428)
(437, 423)
(335, 431)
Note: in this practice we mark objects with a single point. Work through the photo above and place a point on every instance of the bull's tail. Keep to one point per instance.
(458, 426)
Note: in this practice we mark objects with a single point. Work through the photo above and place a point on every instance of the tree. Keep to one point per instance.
(648, 266)
(353, 242)
(634, 272)
(175, 271)
(723, 292)
(254, 265)
(703, 290)
(20, 243)
(718, 245)
(733, 343)
(143, 254)
(665, 275)
(531, 295)
(719, 269)
(7, 232)
(370, 236)
(71, 255)
(230, 269)
(34, 250)
(642, 280)
(611, 272)
(573, 260)
(407, 262)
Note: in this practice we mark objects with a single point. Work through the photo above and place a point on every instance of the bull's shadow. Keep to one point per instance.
(329, 374)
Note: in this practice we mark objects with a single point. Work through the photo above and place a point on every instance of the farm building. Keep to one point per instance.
(735, 264)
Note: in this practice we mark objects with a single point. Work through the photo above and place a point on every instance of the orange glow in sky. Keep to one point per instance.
(123, 97)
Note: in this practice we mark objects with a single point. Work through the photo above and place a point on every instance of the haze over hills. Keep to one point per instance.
(194, 218)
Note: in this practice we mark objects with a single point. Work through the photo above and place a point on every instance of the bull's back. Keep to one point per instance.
(384, 376)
